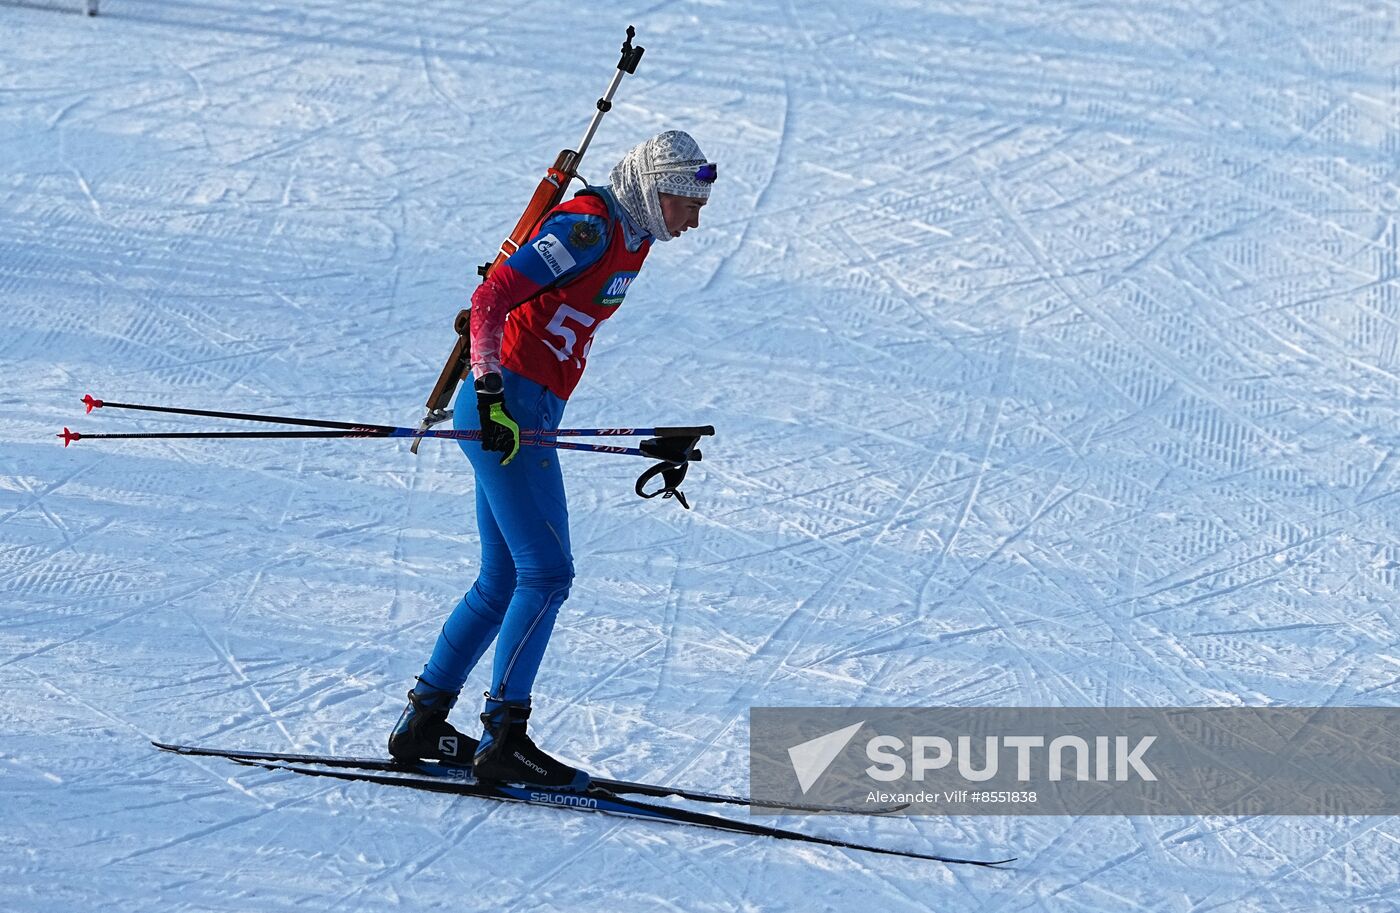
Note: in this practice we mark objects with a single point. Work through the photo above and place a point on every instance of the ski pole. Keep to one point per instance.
(368, 430)
(673, 446)
(527, 438)
(94, 403)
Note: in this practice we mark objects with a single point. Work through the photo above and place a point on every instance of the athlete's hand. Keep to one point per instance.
(499, 432)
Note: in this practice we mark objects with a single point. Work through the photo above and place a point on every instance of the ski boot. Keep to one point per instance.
(423, 732)
(507, 753)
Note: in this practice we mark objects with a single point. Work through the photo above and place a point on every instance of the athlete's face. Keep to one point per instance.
(681, 213)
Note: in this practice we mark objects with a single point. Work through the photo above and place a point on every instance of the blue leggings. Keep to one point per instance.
(526, 563)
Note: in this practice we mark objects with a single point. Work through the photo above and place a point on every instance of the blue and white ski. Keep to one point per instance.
(599, 797)
(438, 770)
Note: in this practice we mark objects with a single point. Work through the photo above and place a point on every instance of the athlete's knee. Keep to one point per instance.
(556, 577)
(491, 593)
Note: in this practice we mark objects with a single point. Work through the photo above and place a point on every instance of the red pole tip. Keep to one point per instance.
(91, 403)
(69, 437)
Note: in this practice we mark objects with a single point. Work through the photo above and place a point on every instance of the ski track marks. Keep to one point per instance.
(1054, 350)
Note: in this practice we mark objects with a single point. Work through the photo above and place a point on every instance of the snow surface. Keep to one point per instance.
(1054, 348)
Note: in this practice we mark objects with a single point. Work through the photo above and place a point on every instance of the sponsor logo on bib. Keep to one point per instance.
(614, 289)
(555, 255)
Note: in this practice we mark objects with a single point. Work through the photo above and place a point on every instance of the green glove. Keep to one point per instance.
(499, 432)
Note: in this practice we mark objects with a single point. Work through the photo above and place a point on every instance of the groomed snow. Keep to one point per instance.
(1054, 350)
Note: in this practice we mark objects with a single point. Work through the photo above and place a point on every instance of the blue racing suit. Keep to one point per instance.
(526, 563)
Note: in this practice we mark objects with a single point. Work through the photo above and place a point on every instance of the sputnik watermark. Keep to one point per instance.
(1078, 760)
(884, 800)
(1113, 757)
(811, 759)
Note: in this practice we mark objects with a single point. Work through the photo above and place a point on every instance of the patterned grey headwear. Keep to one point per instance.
(666, 163)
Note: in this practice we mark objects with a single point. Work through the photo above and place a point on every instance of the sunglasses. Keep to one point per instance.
(705, 174)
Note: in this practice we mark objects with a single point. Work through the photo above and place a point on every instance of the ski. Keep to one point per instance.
(595, 799)
(440, 771)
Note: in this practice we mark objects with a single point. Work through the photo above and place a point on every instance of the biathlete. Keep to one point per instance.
(532, 324)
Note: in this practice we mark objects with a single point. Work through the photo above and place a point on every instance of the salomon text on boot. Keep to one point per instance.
(507, 753)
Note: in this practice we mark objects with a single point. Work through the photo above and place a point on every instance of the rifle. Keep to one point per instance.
(547, 195)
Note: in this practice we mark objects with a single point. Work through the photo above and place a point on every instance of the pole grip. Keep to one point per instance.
(686, 431)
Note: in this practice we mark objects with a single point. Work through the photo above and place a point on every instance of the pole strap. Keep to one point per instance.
(676, 454)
